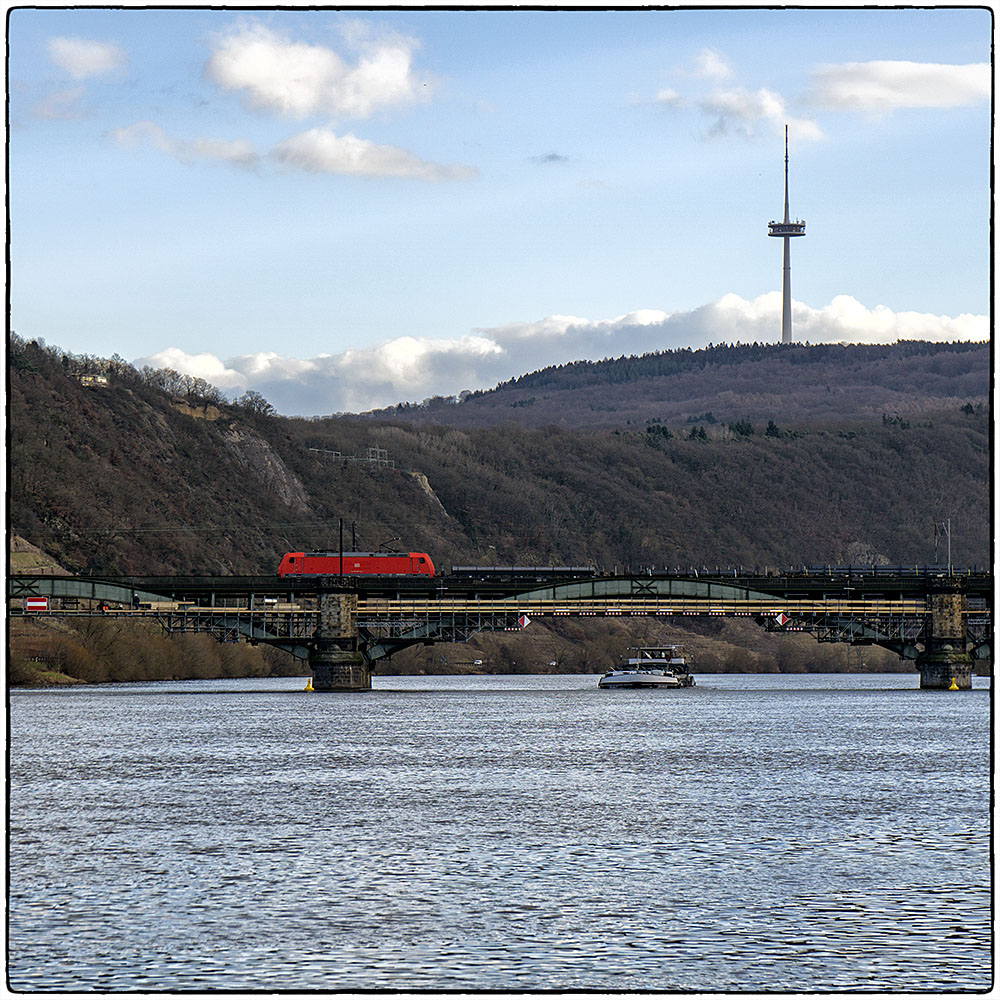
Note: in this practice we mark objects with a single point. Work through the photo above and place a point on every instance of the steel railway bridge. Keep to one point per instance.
(939, 618)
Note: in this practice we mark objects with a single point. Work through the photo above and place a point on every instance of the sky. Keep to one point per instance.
(346, 209)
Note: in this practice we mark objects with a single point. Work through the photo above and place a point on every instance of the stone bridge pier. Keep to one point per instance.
(944, 662)
(334, 659)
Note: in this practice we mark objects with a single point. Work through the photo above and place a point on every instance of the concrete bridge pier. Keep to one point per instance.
(334, 659)
(337, 669)
(944, 663)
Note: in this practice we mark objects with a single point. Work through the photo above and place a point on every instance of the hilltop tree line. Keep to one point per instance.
(35, 356)
(657, 364)
(660, 364)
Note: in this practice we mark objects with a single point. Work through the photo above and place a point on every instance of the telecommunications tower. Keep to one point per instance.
(786, 230)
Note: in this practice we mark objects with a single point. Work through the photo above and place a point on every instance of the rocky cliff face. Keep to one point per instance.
(262, 462)
(425, 485)
(31, 560)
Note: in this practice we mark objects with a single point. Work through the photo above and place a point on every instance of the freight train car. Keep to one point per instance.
(356, 564)
(537, 573)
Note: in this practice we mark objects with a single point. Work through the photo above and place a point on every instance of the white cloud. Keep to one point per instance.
(206, 366)
(62, 104)
(237, 152)
(82, 58)
(735, 110)
(712, 65)
(320, 150)
(296, 79)
(412, 368)
(669, 97)
(536, 331)
(843, 320)
(745, 113)
(884, 86)
(410, 362)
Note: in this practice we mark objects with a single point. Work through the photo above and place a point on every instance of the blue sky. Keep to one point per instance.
(345, 209)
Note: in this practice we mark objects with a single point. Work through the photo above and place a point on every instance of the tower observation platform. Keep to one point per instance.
(786, 229)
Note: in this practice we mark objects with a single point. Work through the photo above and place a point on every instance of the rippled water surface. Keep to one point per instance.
(504, 833)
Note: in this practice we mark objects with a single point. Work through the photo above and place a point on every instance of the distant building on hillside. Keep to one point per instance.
(89, 378)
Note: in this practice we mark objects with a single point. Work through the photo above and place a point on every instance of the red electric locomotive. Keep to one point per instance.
(356, 564)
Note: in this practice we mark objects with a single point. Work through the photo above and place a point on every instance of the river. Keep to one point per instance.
(753, 833)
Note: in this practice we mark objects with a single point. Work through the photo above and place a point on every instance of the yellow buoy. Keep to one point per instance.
(309, 684)
(954, 686)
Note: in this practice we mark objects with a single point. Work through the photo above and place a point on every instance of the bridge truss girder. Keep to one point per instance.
(383, 638)
(901, 635)
(979, 637)
(289, 632)
(385, 632)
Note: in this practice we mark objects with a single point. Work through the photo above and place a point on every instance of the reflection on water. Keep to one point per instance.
(772, 833)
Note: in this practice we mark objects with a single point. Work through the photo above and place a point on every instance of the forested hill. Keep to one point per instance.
(153, 472)
(786, 383)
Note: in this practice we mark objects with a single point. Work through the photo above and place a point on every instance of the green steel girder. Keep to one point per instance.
(71, 586)
(644, 586)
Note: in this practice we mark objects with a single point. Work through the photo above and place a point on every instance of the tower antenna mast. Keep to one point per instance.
(786, 230)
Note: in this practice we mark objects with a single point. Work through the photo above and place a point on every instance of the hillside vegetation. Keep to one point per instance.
(154, 473)
(791, 383)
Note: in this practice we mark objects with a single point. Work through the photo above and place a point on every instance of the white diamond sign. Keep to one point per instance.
(781, 618)
(523, 621)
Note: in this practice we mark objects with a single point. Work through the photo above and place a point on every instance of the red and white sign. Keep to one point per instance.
(36, 604)
(781, 618)
(523, 621)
